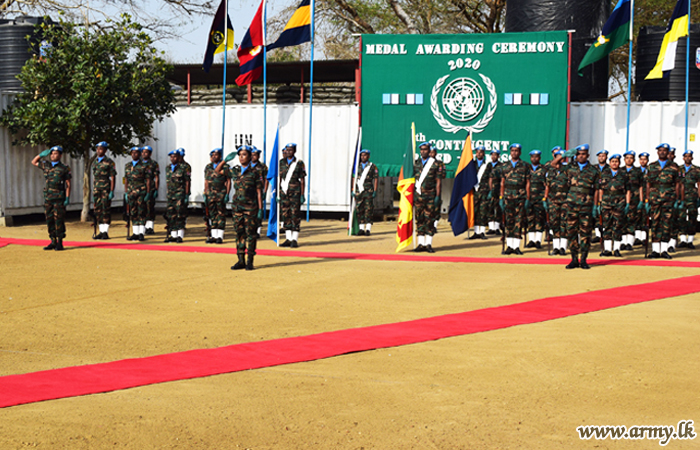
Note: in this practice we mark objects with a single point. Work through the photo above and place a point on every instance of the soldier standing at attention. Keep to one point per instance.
(676, 214)
(690, 177)
(364, 189)
(104, 174)
(494, 183)
(217, 187)
(136, 192)
(247, 206)
(514, 198)
(556, 190)
(636, 180)
(154, 180)
(262, 169)
(178, 180)
(536, 215)
(642, 224)
(481, 196)
(663, 193)
(602, 156)
(442, 173)
(581, 202)
(57, 178)
(426, 197)
(292, 181)
(614, 195)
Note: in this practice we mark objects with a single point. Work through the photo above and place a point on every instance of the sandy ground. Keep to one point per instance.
(523, 387)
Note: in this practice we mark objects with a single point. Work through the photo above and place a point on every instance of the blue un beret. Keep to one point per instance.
(57, 148)
(137, 149)
(216, 150)
(602, 151)
(666, 146)
(426, 143)
(582, 148)
(243, 147)
(291, 145)
(629, 152)
(364, 150)
(556, 149)
(515, 145)
(147, 148)
(480, 147)
(102, 144)
(644, 154)
(173, 152)
(688, 152)
(559, 152)
(255, 149)
(616, 155)
(498, 152)
(535, 152)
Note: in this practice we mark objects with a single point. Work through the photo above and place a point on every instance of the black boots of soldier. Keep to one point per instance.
(575, 263)
(56, 244)
(102, 235)
(241, 264)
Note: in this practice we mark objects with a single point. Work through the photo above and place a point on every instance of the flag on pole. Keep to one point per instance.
(461, 212)
(298, 29)
(677, 28)
(217, 36)
(407, 183)
(272, 176)
(353, 225)
(250, 52)
(615, 34)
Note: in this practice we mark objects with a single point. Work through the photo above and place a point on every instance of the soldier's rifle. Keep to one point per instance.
(92, 214)
(207, 218)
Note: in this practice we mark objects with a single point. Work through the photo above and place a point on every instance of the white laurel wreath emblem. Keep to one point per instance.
(477, 127)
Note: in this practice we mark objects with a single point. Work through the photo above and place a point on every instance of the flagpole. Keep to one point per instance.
(223, 118)
(265, 95)
(687, 77)
(629, 75)
(311, 108)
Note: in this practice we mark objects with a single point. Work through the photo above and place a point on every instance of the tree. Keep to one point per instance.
(108, 85)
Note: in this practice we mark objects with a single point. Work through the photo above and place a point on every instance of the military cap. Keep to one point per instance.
(102, 144)
(556, 149)
(57, 148)
(480, 147)
(364, 150)
(255, 149)
(644, 154)
(582, 148)
(135, 149)
(535, 152)
(629, 152)
(515, 145)
(665, 146)
(601, 151)
(688, 152)
(243, 147)
(616, 156)
(147, 148)
(216, 150)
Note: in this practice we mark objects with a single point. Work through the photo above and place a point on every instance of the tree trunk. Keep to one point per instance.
(87, 163)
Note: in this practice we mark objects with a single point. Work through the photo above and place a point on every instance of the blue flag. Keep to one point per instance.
(272, 176)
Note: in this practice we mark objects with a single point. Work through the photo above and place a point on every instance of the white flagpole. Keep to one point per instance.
(311, 107)
(629, 75)
(223, 119)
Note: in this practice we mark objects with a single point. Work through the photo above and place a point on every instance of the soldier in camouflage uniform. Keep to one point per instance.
(57, 178)
(602, 156)
(364, 189)
(536, 215)
(292, 175)
(690, 177)
(494, 184)
(247, 206)
(481, 196)
(104, 177)
(426, 197)
(636, 180)
(217, 187)
(136, 192)
(643, 216)
(662, 196)
(514, 198)
(178, 179)
(154, 180)
(581, 202)
(676, 213)
(442, 173)
(614, 195)
(262, 169)
(554, 201)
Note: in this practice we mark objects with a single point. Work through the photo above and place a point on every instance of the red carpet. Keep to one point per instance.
(542, 260)
(105, 377)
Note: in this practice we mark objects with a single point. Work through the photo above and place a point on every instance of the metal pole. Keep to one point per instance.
(687, 77)
(223, 118)
(264, 152)
(311, 109)
(629, 76)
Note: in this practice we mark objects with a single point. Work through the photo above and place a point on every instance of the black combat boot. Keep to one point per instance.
(584, 263)
(574, 261)
(249, 264)
(59, 244)
(240, 264)
(52, 245)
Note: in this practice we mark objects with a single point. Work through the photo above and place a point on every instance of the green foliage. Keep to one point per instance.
(107, 84)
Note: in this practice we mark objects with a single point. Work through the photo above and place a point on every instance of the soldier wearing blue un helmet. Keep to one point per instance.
(514, 197)
(154, 180)
(57, 186)
(104, 175)
(536, 214)
(481, 198)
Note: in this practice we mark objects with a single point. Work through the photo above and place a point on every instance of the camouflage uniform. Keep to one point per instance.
(636, 179)
(153, 169)
(494, 212)
(262, 169)
(642, 216)
(55, 177)
(536, 215)
(481, 197)
(425, 201)
(245, 207)
(579, 205)
(365, 199)
(558, 183)
(136, 178)
(102, 172)
(290, 203)
(442, 173)
(217, 194)
(690, 177)
(662, 196)
(176, 180)
(614, 187)
(514, 195)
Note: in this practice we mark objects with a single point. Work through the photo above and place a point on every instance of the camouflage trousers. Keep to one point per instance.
(677, 222)
(557, 219)
(217, 210)
(515, 216)
(536, 216)
(290, 207)
(151, 209)
(364, 207)
(102, 206)
(482, 206)
(661, 215)
(579, 225)
(423, 210)
(689, 214)
(137, 206)
(55, 218)
(632, 220)
(176, 212)
(246, 225)
(614, 220)
(494, 213)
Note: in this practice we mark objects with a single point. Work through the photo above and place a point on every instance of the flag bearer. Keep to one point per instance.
(514, 198)
(536, 215)
(136, 192)
(426, 197)
(217, 186)
(663, 192)
(614, 196)
(57, 178)
(365, 191)
(154, 180)
(104, 177)
(292, 181)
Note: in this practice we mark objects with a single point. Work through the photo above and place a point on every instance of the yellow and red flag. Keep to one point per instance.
(406, 185)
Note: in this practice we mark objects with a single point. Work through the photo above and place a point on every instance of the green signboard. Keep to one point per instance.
(501, 88)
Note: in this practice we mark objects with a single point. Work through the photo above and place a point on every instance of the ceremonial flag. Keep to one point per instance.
(250, 52)
(217, 35)
(298, 29)
(461, 213)
(615, 34)
(677, 28)
(407, 183)
(272, 176)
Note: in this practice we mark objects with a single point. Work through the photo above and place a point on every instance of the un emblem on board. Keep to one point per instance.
(463, 100)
